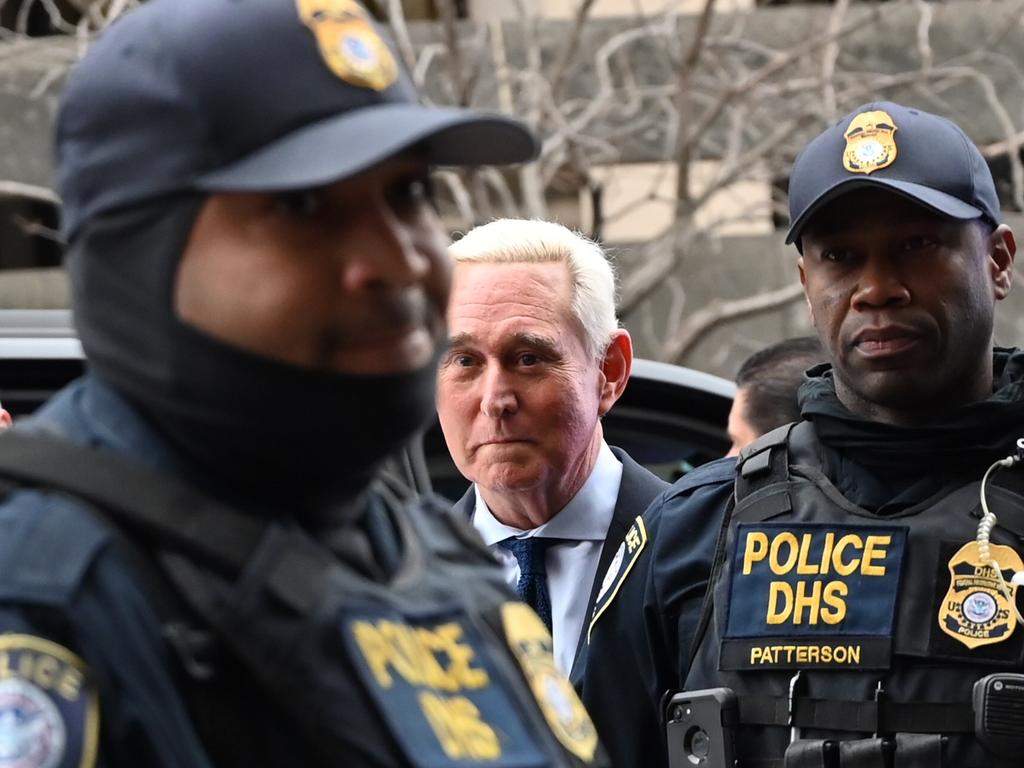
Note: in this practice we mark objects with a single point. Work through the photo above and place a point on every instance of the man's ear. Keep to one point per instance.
(616, 365)
(1002, 249)
(803, 282)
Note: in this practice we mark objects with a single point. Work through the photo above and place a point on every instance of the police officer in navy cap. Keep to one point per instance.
(198, 564)
(859, 592)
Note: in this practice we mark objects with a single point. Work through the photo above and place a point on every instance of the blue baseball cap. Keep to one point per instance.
(249, 95)
(923, 157)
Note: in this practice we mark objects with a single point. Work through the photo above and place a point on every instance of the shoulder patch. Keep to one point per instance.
(49, 710)
(622, 563)
(533, 648)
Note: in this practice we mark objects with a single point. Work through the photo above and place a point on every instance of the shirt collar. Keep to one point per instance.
(585, 518)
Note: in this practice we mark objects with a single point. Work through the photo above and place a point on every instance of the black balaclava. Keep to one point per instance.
(967, 438)
(280, 438)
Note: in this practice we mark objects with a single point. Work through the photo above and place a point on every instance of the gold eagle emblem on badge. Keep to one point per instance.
(348, 42)
(975, 610)
(870, 142)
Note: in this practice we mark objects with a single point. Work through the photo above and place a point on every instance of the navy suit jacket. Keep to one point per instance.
(639, 487)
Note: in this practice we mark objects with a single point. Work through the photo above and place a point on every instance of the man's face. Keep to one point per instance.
(904, 301)
(519, 397)
(741, 431)
(351, 278)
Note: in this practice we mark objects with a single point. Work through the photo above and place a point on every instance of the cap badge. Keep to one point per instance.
(348, 42)
(870, 142)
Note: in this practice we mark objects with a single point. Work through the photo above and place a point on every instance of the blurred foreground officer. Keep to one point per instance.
(766, 388)
(856, 600)
(537, 358)
(246, 203)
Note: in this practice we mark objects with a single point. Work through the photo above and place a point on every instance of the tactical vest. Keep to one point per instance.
(436, 668)
(853, 639)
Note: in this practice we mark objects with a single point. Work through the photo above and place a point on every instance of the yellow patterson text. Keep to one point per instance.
(805, 654)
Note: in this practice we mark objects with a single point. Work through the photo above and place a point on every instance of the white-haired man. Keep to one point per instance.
(536, 360)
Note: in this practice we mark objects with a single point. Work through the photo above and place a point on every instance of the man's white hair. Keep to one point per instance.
(524, 241)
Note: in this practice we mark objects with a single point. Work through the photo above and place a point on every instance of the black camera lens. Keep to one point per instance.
(697, 745)
(700, 744)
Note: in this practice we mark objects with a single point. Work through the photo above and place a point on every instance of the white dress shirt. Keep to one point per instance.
(571, 566)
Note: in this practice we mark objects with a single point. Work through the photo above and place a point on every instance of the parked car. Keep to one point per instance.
(670, 418)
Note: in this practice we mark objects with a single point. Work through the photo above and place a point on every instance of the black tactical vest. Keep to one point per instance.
(438, 667)
(849, 638)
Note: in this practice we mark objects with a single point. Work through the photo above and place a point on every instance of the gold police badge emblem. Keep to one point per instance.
(975, 611)
(531, 644)
(870, 142)
(348, 42)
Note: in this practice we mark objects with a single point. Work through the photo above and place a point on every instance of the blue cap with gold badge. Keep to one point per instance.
(913, 153)
(249, 95)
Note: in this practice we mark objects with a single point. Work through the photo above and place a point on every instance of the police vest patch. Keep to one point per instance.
(812, 595)
(49, 714)
(975, 611)
(436, 685)
(533, 648)
(618, 569)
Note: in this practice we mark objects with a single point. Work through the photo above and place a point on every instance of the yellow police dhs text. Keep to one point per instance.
(809, 601)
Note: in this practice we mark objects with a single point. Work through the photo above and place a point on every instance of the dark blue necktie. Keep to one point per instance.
(533, 573)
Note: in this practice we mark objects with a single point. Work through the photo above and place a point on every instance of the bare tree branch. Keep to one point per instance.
(718, 312)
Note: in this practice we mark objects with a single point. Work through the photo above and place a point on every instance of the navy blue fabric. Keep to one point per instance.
(639, 648)
(96, 607)
(532, 588)
(936, 165)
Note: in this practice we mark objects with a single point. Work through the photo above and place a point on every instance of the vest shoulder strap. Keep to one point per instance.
(133, 495)
(767, 460)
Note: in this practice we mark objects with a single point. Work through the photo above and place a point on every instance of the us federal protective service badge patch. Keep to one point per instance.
(531, 644)
(348, 42)
(975, 611)
(49, 713)
(870, 142)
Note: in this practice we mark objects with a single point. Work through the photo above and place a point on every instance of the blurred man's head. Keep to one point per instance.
(536, 359)
(249, 222)
(902, 259)
(766, 388)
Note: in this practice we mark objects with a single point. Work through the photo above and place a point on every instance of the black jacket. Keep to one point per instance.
(639, 487)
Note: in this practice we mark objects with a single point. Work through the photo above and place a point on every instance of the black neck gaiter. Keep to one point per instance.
(969, 437)
(273, 437)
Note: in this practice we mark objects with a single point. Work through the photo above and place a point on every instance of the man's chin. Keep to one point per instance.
(895, 391)
(510, 480)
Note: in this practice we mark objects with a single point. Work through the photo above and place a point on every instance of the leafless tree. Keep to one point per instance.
(715, 101)
(708, 90)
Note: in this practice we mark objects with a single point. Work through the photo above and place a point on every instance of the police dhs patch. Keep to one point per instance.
(49, 716)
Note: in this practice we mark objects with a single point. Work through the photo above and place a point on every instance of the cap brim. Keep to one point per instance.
(344, 145)
(939, 202)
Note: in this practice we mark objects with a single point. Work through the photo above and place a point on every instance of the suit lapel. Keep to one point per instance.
(639, 487)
